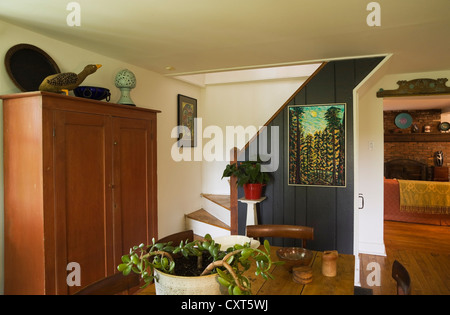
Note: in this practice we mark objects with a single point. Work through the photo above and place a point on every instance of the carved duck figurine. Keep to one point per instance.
(63, 82)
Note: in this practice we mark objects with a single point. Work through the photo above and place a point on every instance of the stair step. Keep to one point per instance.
(205, 217)
(198, 237)
(221, 200)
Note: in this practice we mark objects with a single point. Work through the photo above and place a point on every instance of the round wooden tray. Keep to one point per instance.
(28, 65)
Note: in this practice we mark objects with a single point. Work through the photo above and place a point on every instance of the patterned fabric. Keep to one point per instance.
(424, 196)
(392, 208)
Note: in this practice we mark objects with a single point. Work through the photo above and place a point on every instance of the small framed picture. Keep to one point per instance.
(187, 114)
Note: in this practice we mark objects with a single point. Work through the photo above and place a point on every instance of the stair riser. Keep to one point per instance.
(216, 210)
(201, 228)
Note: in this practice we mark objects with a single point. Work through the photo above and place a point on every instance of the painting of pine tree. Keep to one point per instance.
(317, 145)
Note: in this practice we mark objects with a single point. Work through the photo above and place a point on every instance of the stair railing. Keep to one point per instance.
(233, 195)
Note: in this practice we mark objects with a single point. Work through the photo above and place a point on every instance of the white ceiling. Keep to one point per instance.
(192, 36)
(247, 75)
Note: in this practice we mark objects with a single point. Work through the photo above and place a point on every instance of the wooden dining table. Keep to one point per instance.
(283, 283)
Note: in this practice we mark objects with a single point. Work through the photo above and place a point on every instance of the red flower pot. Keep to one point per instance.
(252, 191)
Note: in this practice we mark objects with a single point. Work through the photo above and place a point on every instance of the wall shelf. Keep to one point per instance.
(417, 137)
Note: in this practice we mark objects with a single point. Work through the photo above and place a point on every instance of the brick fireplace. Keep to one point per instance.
(421, 150)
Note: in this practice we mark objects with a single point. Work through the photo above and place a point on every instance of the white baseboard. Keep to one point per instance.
(357, 276)
(372, 248)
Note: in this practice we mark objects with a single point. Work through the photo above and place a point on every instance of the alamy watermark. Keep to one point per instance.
(74, 17)
(374, 17)
(374, 277)
(74, 276)
(222, 141)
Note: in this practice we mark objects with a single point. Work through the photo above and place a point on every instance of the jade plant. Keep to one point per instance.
(230, 264)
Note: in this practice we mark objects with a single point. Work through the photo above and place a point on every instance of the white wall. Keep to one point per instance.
(240, 104)
(370, 173)
(179, 184)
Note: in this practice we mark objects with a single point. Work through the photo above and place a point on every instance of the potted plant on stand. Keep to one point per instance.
(249, 176)
(198, 267)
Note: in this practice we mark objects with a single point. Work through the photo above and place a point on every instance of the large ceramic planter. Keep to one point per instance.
(253, 191)
(167, 284)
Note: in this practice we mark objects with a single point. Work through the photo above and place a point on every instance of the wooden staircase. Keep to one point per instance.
(219, 213)
(213, 218)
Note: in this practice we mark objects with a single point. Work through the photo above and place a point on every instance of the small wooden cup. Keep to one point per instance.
(302, 274)
(329, 263)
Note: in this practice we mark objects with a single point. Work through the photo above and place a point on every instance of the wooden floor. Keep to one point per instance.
(423, 249)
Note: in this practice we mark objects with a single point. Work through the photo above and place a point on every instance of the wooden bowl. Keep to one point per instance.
(294, 256)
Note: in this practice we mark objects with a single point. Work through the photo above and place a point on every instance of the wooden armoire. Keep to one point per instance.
(80, 187)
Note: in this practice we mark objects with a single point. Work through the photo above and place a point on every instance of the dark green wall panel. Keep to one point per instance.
(328, 209)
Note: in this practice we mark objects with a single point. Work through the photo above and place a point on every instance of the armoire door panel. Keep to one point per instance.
(132, 165)
(83, 197)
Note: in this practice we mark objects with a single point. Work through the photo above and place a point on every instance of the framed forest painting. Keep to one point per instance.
(317, 145)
